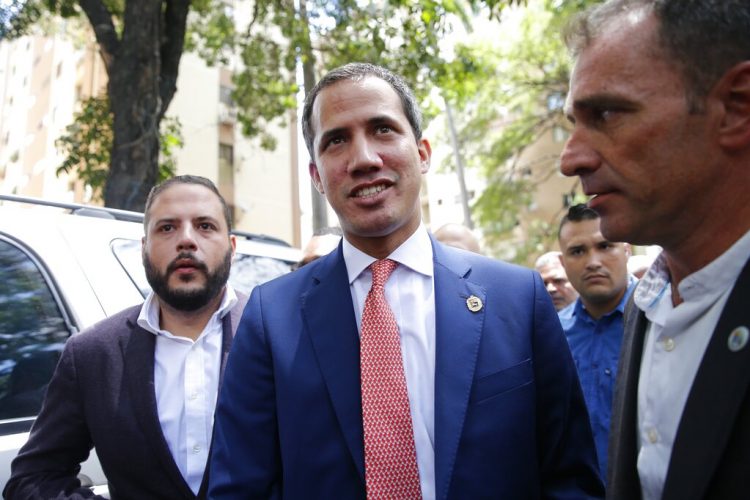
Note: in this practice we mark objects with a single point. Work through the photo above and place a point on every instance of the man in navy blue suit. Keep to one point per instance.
(494, 406)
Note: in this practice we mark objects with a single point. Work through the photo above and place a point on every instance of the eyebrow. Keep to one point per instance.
(172, 220)
(575, 247)
(371, 122)
(597, 101)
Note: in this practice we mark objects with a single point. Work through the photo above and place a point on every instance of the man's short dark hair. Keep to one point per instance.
(186, 179)
(577, 213)
(356, 72)
(704, 38)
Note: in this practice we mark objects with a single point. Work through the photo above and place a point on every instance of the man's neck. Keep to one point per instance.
(697, 253)
(189, 324)
(597, 310)
(381, 247)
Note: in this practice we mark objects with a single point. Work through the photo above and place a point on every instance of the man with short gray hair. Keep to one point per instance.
(660, 105)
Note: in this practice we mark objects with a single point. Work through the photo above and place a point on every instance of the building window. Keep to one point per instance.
(226, 154)
(559, 134)
(226, 173)
(225, 95)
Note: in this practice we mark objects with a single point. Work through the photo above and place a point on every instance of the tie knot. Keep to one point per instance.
(381, 270)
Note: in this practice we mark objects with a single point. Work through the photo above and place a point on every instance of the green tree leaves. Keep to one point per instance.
(87, 143)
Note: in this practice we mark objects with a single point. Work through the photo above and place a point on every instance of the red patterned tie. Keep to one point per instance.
(390, 456)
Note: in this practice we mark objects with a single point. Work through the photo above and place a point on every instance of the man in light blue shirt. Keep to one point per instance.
(593, 324)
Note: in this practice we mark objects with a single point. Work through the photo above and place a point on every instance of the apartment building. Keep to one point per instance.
(42, 83)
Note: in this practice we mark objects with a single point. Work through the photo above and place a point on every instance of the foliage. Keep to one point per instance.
(142, 56)
(87, 143)
(513, 95)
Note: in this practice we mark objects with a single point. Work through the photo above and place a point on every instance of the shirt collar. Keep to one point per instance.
(710, 280)
(414, 253)
(148, 318)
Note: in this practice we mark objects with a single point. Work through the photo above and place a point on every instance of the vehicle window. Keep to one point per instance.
(128, 254)
(32, 333)
(247, 271)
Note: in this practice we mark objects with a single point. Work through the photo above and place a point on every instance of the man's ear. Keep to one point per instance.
(734, 91)
(425, 153)
(315, 176)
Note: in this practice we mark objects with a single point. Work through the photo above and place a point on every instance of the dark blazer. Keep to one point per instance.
(102, 396)
(510, 420)
(711, 452)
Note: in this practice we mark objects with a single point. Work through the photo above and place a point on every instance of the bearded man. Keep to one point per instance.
(140, 387)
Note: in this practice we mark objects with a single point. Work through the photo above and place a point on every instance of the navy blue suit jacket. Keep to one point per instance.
(510, 420)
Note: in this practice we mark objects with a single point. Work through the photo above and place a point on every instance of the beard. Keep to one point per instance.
(188, 300)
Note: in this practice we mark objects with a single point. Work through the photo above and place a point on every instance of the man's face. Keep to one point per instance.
(187, 251)
(596, 267)
(367, 162)
(645, 158)
(557, 284)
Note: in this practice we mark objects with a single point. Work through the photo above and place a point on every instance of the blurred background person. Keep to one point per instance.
(598, 270)
(321, 243)
(458, 236)
(555, 280)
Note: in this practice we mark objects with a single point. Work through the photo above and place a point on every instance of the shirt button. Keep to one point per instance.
(194, 395)
(653, 437)
(196, 448)
(669, 344)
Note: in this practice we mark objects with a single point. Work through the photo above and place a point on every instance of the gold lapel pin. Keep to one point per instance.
(738, 338)
(474, 303)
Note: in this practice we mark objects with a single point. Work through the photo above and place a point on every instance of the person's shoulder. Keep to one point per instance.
(105, 330)
(299, 279)
(483, 267)
(566, 315)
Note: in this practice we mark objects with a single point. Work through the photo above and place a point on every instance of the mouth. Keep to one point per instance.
(185, 265)
(369, 191)
(595, 277)
(597, 194)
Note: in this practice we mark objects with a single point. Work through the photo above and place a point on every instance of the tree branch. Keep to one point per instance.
(101, 21)
(173, 42)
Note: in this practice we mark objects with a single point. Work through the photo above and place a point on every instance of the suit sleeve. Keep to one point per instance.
(245, 459)
(48, 464)
(568, 463)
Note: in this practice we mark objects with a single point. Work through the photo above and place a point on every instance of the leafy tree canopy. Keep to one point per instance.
(512, 96)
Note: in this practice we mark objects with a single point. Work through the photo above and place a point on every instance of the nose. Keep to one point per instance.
(578, 157)
(551, 288)
(594, 261)
(186, 241)
(365, 155)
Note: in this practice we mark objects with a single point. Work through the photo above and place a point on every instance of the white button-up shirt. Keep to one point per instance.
(186, 380)
(675, 342)
(410, 294)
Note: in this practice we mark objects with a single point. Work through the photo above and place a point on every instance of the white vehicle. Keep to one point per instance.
(62, 269)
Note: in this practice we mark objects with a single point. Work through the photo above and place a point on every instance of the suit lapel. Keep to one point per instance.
(719, 389)
(328, 313)
(623, 444)
(138, 351)
(458, 333)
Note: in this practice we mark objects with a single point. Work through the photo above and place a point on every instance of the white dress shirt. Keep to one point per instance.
(411, 296)
(186, 380)
(675, 342)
